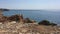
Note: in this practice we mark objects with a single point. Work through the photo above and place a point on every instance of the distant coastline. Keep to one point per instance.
(4, 9)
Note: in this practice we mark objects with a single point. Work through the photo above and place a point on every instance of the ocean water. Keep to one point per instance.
(37, 15)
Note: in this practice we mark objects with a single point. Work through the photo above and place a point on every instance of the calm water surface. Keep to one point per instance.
(38, 15)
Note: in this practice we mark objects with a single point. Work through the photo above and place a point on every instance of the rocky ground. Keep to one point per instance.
(7, 27)
(28, 28)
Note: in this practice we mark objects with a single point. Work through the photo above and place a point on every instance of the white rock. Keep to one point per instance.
(0, 23)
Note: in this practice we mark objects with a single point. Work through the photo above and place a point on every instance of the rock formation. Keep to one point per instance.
(2, 18)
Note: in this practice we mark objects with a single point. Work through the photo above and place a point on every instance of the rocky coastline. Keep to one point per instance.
(17, 24)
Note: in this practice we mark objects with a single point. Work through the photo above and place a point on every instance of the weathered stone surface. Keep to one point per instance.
(28, 28)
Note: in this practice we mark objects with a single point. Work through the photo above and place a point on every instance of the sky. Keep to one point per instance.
(30, 4)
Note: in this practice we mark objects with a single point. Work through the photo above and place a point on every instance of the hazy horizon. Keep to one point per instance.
(31, 4)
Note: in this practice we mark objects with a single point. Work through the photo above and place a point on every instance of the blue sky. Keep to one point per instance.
(30, 4)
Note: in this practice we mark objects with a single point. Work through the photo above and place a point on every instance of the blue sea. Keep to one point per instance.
(37, 15)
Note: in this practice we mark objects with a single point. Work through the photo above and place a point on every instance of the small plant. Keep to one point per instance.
(28, 20)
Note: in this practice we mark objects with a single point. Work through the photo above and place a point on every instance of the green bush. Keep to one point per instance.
(46, 22)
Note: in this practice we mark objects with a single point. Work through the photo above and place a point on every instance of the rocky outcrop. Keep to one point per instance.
(3, 18)
(19, 18)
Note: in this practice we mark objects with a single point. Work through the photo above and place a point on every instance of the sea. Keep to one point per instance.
(37, 15)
